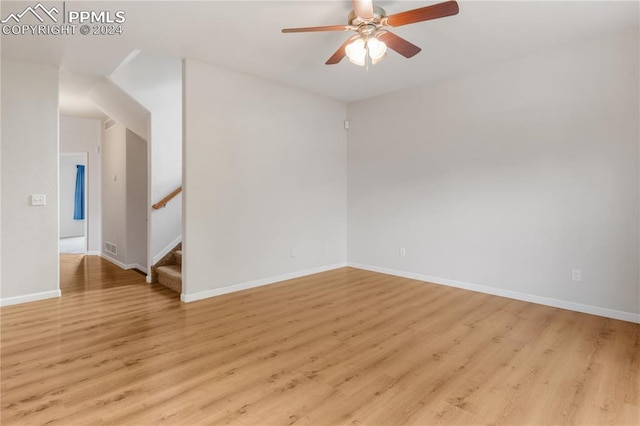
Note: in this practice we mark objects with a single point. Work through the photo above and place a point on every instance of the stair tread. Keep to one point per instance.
(173, 271)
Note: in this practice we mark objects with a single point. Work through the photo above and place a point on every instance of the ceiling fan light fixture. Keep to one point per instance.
(371, 24)
(377, 49)
(358, 50)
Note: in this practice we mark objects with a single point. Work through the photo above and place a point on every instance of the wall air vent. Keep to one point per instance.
(111, 248)
(109, 123)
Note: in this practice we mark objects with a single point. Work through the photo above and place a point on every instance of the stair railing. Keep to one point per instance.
(162, 203)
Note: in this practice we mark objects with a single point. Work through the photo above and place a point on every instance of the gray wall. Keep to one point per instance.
(508, 178)
(114, 191)
(137, 204)
(267, 174)
(124, 190)
(29, 166)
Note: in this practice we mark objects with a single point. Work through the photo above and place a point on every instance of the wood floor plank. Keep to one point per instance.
(342, 347)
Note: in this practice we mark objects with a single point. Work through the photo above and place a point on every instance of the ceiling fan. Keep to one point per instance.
(371, 24)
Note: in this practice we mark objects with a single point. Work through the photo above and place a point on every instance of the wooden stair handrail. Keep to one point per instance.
(160, 204)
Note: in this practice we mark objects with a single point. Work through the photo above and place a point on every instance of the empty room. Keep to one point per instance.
(320, 212)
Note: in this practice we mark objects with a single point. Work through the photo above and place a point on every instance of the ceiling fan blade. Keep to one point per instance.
(400, 45)
(340, 53)
(427, 13)
(363, 8)
(312, 29)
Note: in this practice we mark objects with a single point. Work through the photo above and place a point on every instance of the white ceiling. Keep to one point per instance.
(245, 36)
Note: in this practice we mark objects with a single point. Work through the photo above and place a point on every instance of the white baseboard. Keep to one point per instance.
(112, 260)
(93, 253)
(136, 266)
(257, 283)
(7, 301)
(166, 250)
(525, 297)
(124, 265)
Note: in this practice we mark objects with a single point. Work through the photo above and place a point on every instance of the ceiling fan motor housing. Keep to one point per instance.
(378, 14)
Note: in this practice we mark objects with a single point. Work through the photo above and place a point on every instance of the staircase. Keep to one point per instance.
(168, 271)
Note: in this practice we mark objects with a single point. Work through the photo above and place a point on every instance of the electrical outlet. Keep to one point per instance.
(292, 253)
(403, 251)
(576, 275)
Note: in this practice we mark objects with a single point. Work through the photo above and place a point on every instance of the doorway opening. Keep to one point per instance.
(73, 203)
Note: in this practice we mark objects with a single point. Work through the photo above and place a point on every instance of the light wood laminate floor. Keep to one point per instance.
(340, 347)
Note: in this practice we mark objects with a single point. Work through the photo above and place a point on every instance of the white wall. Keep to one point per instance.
(509, 178)
(137, 203)
(29, 166)
(69, 227)
(114, 191)
(266, 173)
(120, 106)
(156, 83)
(85, 135)
(124, 191)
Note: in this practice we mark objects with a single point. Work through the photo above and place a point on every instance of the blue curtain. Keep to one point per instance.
(78, 209)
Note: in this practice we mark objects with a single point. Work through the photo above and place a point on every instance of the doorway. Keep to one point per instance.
(73, 203)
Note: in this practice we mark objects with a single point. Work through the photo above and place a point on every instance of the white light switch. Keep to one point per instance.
(38, 200)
